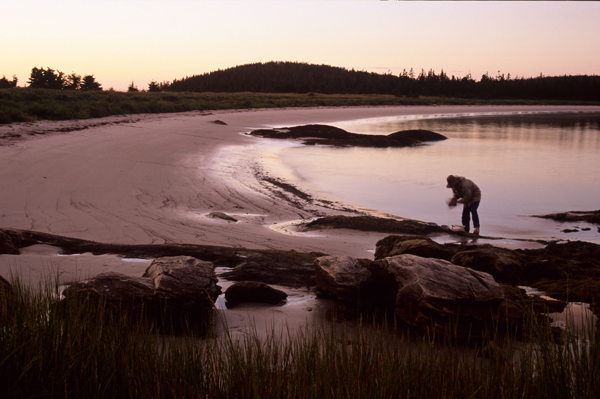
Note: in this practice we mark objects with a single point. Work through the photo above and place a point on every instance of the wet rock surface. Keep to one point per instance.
(423, 292)
(174, 291)
(414, 245)
(574, 216)
(568, 271)
(330, 135)
(341, 276)
(253, 291)
(373, 223)
(287, 268)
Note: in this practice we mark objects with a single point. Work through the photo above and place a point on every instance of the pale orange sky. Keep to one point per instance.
(124, 41)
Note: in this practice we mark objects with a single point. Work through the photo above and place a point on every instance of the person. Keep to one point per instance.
(467, 193)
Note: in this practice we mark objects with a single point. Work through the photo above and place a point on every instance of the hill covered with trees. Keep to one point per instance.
(295, 77)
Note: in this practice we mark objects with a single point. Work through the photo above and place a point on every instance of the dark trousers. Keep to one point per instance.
(466, 215)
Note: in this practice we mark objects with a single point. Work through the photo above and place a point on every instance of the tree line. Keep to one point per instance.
(297, 77)
(48, 78)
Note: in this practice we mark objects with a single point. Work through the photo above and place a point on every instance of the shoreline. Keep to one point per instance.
(153, 179)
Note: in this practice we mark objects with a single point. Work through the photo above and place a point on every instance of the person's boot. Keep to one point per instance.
(476, 231)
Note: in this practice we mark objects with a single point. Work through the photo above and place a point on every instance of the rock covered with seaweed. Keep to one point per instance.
(330, 135)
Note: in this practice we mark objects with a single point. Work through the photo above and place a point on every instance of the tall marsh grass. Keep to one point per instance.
(80, 350)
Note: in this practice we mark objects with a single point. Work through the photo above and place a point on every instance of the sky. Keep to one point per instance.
(122, 41)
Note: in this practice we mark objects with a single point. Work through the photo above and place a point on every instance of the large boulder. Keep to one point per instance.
(253, 291)
(174, 291)
(413, 245)
(185, 283)
(341, 276)
(423, 292)
(506, 266)
(117, 290)
(435, 293)
(286, 268)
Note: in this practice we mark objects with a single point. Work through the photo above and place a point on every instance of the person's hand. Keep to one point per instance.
(451, 202)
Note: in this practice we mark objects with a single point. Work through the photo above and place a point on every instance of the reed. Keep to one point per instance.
(80, 349)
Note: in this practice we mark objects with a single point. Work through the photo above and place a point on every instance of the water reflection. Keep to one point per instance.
(525, 164)
(578, 129)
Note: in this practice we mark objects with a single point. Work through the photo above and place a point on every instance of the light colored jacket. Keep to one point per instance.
(465, 191)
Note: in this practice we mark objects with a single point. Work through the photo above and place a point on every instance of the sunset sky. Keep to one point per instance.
(124, 41)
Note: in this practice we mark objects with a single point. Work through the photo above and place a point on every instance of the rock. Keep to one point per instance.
(425, 293)
(518, 307)
(373, 223)
(118, 290)
(174, 291)
(253, 291)
(435, 293)
(6, 245)
(414, 245)
(222, 216)
(185, 283)
(286, 268)
(330, 135)
(506, 266)
(574, 216)
(341, 276)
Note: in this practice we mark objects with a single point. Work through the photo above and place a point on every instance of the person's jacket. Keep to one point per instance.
(465, 191)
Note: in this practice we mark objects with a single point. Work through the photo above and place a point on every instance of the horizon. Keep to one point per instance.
(120, 42)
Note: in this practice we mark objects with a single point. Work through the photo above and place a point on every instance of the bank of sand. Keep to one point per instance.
(152, 179)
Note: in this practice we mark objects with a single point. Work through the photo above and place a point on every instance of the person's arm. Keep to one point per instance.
(466, 193)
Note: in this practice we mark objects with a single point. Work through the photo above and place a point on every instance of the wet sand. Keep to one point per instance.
(153, 179)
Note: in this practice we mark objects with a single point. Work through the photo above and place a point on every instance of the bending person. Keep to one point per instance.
(467, 193)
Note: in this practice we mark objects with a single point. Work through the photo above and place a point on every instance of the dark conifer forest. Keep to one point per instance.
(296, 77)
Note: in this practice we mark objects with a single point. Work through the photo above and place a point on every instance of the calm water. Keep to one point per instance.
(525, 164)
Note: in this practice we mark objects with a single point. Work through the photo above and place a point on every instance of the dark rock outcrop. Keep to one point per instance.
(174, 291)
(7, 246)
(426, 293)
(506, 266)
(435, 293)
(287, 268)
(330, 135)
(184, 283)
(413, 245)
(574, 216)
(341, 276)
(253, 291)
(373, 223)
(519, 307)
(222, 216)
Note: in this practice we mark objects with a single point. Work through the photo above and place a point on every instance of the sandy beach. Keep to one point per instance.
(154, 179)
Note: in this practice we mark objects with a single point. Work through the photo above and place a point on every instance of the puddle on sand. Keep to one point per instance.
(576, 314)
(40, 265)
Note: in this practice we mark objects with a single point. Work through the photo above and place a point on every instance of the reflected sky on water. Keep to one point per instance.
(524, 163)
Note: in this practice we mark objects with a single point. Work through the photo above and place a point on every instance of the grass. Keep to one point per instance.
(82, 351)
(26, 105)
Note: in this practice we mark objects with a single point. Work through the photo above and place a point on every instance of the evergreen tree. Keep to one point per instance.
(7, 84)
(132, 87)
(48, 78)
(153, 87)
(90, 83)
(73, 82)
